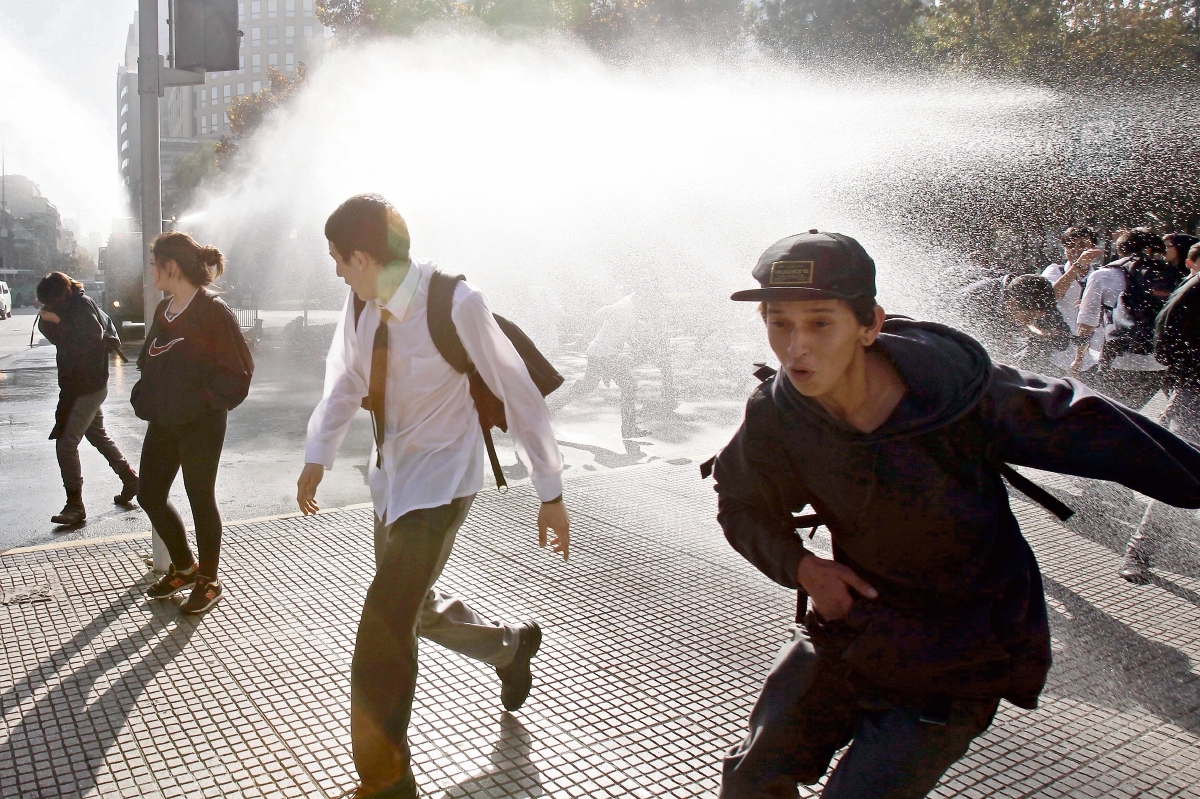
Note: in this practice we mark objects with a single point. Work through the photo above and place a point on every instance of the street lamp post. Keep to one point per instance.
(153, 78)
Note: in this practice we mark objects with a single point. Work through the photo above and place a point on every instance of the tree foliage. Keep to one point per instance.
(190, 171)
(804, 28)
(247, 113)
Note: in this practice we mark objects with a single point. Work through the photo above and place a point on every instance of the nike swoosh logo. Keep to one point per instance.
(157, 350)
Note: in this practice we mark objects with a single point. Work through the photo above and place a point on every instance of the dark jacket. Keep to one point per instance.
(81, 355)
(1177, 333)
(81, 352)
(193, 365)
(919, 511)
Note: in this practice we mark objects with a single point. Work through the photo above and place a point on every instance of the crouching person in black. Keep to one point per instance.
(931, 611)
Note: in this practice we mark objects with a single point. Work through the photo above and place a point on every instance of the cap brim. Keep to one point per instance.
(787, 294)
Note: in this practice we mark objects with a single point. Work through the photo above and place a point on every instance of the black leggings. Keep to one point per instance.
(196, 447)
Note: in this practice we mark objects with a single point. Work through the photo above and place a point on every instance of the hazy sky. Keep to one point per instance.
(58, 66)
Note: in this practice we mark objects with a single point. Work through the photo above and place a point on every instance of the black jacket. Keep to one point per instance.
(193, 365)
(919, 511)
(78, 337)
(1177, 333)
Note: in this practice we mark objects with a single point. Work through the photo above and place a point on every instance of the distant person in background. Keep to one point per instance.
(1069, 278)
(1031, 305)
(1176, 247)
(1123, 299)
(1177, 344)
(609, 361)
(196, 368)
(83, 337)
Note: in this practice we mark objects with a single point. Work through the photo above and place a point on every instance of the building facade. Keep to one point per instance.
(277, 33)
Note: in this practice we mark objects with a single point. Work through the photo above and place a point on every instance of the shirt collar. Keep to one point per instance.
(401, 301)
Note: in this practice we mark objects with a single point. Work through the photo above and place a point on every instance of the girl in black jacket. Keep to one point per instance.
(195, 368)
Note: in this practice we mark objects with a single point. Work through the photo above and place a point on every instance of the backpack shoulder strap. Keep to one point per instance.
(441, 324)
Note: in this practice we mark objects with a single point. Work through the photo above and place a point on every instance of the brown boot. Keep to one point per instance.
(129, 488)
(73, 512)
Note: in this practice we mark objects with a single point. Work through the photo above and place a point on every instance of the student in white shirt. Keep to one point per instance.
(1069, 278)
(1129, 376)
(427, 469)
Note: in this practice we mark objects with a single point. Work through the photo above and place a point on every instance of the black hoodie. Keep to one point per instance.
(80, 349)
(918, 509)
(197, 363)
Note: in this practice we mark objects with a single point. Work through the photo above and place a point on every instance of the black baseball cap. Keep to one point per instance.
(812, 265)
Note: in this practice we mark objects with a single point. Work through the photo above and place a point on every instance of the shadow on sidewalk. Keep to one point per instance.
(1107, 663)
(511, 770)
(70, 738)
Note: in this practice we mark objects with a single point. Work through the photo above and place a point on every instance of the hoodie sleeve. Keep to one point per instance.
(755, 498)
(1060, 425)
(231, 365)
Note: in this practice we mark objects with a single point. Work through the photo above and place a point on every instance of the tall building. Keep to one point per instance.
(277, 33)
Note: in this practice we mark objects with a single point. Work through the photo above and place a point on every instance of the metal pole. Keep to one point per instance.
(148, 91)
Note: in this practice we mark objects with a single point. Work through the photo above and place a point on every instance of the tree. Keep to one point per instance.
(247, 113)
(190, 171)
(835, 27)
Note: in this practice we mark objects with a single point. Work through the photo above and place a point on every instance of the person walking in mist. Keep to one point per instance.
(196, 368)
(428, 466)
(931, 610)
(609, 361)
(80, 332)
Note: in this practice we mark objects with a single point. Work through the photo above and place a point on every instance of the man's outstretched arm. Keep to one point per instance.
(501, 367)
(1060, 425)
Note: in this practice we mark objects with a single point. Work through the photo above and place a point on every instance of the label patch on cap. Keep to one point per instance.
(791, 273)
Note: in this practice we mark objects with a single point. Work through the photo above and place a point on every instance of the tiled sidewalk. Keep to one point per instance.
(656, 637)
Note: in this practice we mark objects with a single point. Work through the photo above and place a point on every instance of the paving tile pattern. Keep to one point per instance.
(656, 638)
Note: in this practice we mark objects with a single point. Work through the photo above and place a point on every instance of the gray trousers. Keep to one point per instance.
(401, 606)
(1160, 519)
(444, 618)
(86, 420)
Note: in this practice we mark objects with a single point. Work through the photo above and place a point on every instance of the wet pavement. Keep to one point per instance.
(656, 637)
(264, 446)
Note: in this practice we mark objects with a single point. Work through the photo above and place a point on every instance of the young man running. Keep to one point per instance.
(931, 611)
(428, 466)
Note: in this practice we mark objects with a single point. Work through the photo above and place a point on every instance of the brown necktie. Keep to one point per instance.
(377, 389)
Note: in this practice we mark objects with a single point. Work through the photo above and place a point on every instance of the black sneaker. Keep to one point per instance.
(172, 582)
(70, 515)
(129, 486)
(206, 594)
(516, 679)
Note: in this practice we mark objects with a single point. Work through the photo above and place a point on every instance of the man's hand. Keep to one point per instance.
(1088, 257)
(49, 316)
(828, 584)
(306, 487)
(553, 516)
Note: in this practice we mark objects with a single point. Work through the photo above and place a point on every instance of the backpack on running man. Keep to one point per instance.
(1148, 283)
(449, 346)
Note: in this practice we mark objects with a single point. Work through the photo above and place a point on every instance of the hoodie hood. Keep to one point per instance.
(946, 373)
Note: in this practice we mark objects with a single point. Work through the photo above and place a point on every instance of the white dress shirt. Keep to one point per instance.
(615, 323)
(433, 445)
(1104, 289)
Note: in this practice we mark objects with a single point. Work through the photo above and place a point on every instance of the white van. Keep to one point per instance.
(5, 301)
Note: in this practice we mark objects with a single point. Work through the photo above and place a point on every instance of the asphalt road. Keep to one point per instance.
(264, 445)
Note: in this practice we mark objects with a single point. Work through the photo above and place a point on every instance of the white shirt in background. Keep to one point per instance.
(616, 321)
(433, 444)
(1103, 290)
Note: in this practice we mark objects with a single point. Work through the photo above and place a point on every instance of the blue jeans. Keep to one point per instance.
(810, 707)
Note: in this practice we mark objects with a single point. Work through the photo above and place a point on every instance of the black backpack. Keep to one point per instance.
(1148, 283)
(449, 346)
